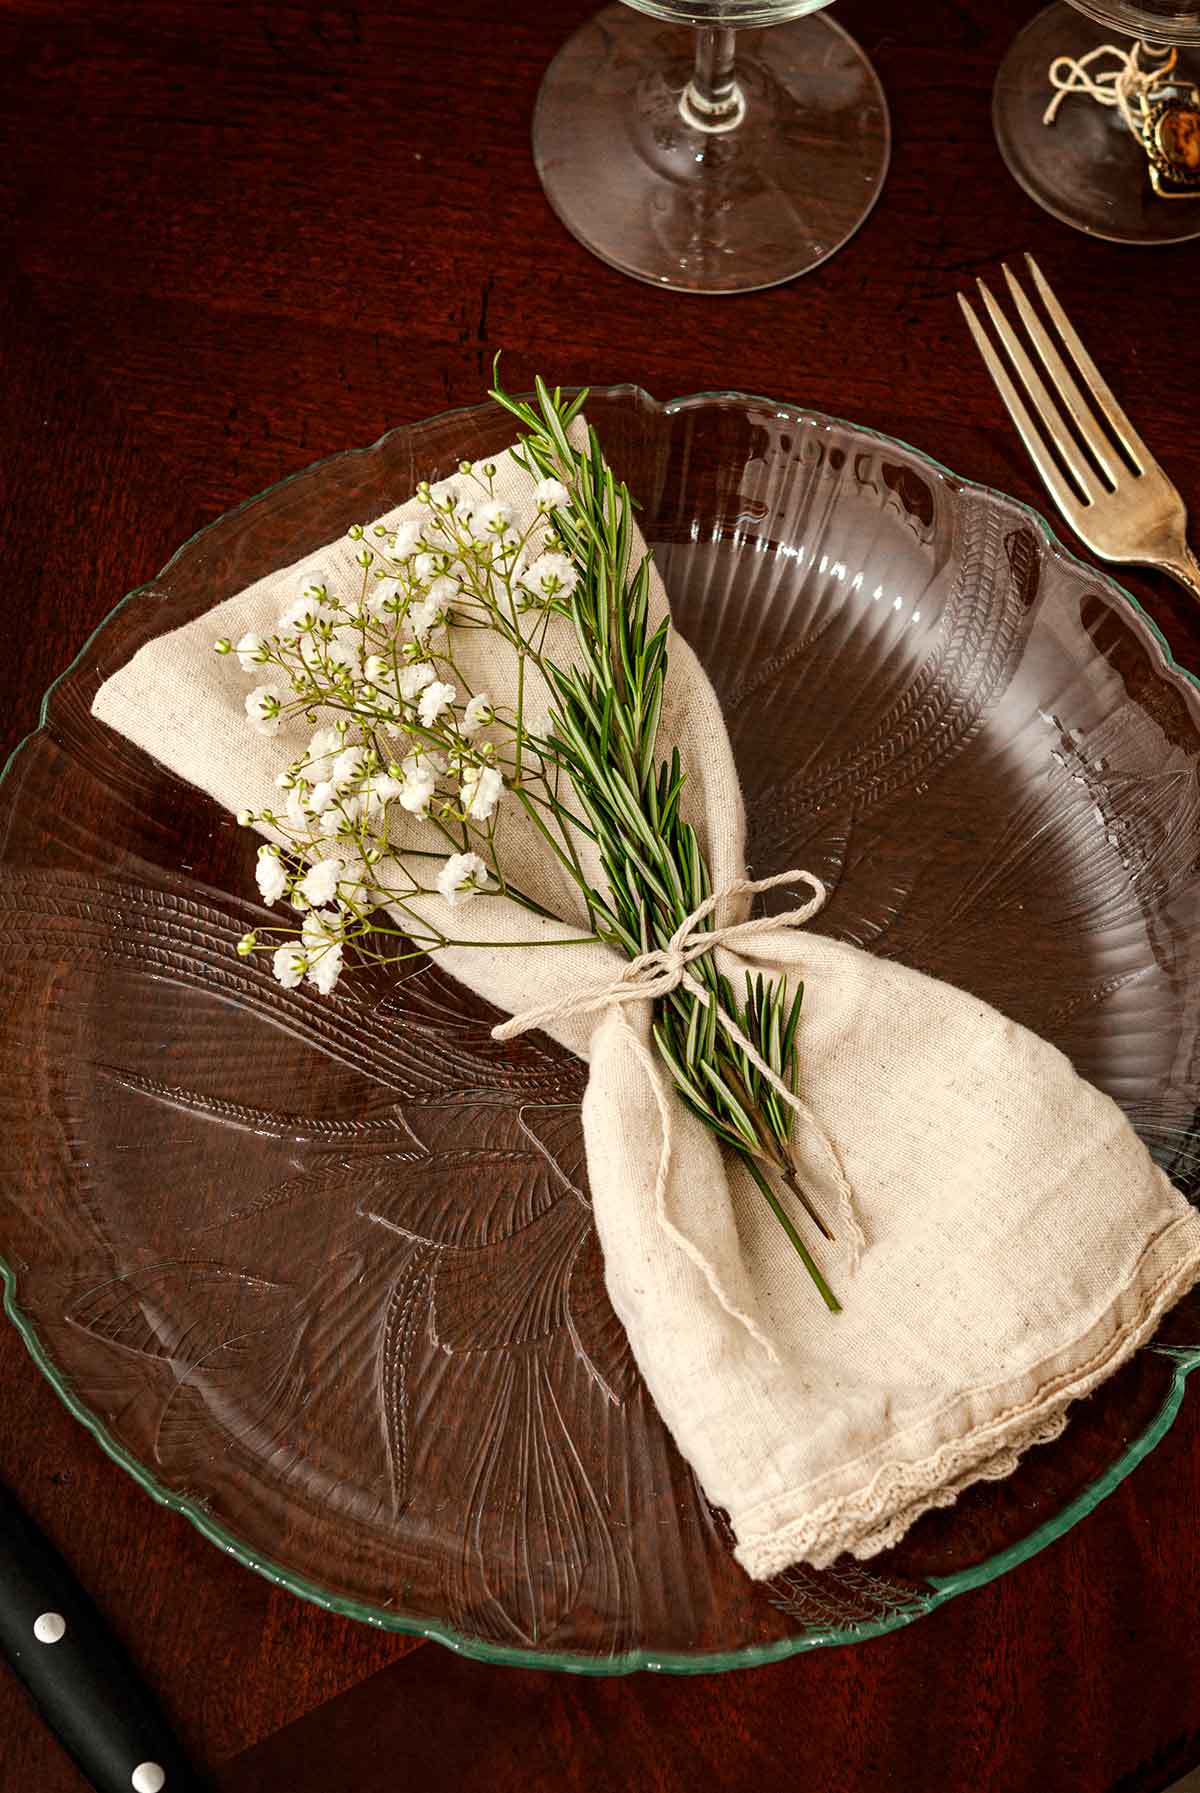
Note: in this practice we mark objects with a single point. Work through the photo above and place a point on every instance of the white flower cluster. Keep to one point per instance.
(408, 740)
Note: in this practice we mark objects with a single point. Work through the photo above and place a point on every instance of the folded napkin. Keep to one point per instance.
(1011, 1244)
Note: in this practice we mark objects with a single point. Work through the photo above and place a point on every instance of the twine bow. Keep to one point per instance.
(1121, 87)
(658, 972)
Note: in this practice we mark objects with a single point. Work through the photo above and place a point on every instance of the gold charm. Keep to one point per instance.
(1171, 139)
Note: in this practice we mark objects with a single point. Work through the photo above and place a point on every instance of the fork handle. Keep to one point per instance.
(1185, 570)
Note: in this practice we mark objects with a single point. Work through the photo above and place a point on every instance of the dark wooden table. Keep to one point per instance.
(251, 232)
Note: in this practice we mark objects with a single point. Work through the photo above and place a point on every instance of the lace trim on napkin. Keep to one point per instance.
(872, 1518)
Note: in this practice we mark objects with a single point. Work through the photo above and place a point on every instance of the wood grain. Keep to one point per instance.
(247, 235)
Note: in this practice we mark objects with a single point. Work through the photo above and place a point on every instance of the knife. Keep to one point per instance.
(87, 1688)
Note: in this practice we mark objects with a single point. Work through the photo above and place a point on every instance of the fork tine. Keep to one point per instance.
(1061, 379)
(1066, 500)
(1047, 411)
(1100, 390)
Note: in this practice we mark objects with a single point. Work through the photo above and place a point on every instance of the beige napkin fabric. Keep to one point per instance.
(1018, 1241)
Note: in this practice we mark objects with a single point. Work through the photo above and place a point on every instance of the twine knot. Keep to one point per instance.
(1121, 87)
(663, 969)
(656, 973)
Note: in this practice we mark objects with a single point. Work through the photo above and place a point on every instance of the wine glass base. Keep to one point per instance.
(1085, 168)
(711, 212)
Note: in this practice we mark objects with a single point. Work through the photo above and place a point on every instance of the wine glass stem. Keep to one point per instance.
(712, 100)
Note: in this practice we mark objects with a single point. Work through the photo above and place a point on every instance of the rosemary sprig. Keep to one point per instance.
(604, 731)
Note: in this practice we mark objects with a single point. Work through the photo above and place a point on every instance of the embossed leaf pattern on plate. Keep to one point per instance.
(322, 1271)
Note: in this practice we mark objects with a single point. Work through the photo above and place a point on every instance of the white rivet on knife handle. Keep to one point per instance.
(49, 1627)
(148, 1777)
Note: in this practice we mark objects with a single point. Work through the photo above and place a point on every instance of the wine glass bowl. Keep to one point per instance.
(1150, 21)
(732, 14)
(704, 163)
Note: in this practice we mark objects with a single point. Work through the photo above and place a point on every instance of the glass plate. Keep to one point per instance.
(320, 1272)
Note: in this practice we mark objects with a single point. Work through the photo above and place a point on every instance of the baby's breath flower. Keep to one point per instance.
(434, 607)
(289, 963)
(462, 877)
(325, 967)
(422, 617)
(551, 576)
(481, 788)
(420, 782)
(251, 651)
(319, 883)
(443, 494)
(320, 926)
(492, 519)
(477, 714)
(299, 617)
(348, 767)
(341, 818)
(270, 875)
(414, 679)
(323, 749)
(353, 891)
(407, 537)
(550, 494)
(371, 652)
(435, 700)
(386, 599)
(263, 706)
(333, 654)
(380, 790)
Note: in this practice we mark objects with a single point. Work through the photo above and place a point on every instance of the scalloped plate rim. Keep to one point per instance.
(943, 1588)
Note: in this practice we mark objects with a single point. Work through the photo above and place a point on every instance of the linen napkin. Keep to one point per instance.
(1012, 1242)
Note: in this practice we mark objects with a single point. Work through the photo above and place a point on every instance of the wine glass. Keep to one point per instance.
(687, 167)
(1086, 167)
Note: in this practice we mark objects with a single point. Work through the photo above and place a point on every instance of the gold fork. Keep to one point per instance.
(1106, 483)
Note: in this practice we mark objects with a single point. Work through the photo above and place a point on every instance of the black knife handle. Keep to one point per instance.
(87, 1688)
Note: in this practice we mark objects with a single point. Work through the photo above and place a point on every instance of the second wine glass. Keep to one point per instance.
(714, 159)
(1076, 148)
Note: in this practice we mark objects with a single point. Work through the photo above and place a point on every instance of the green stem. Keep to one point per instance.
(826, 1293)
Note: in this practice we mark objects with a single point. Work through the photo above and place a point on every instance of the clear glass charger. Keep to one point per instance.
(320, 1273)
